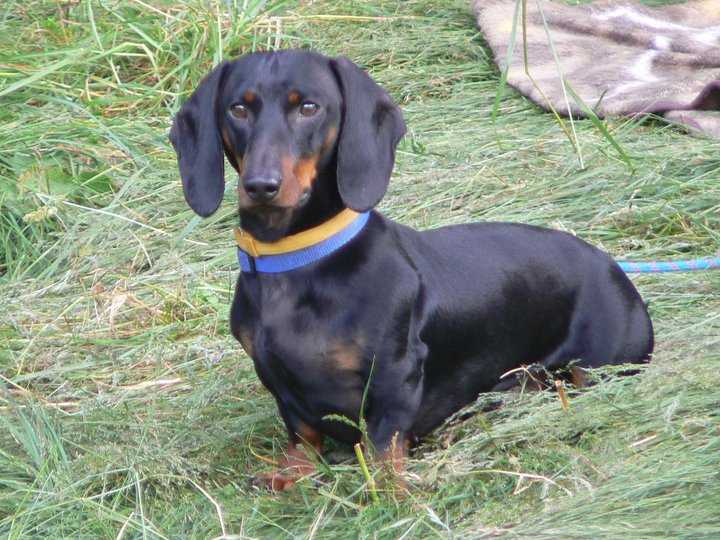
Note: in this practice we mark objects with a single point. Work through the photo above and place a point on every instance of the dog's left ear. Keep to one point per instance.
(372, 126)
(196, 139)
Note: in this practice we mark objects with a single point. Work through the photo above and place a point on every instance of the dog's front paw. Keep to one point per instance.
(275, 480)
(290, 470)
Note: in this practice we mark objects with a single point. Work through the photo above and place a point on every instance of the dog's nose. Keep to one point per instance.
(262, 188)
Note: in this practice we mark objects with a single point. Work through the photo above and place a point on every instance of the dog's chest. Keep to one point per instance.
(305, 348)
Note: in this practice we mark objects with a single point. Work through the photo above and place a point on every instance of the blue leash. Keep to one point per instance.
(670, 266)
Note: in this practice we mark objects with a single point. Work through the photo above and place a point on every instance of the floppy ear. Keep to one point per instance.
(372, 126)
(196, 139)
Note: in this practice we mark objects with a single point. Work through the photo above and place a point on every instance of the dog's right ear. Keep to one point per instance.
(195, 135)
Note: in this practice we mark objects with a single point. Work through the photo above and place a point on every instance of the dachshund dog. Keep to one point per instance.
(346, 312)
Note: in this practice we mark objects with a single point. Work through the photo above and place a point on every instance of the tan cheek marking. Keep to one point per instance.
(306, 171)
(297, 177)
(329, 139)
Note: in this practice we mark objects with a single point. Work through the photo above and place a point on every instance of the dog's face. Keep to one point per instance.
(298, 127)
(279, 124)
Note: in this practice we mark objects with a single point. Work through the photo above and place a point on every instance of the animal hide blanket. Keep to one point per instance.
(620, 58)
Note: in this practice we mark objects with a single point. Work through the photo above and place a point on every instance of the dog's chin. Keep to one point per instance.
(266, 223)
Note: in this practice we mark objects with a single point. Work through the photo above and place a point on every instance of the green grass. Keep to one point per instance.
(127, 409)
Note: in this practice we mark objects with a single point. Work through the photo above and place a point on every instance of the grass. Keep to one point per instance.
(128, 410)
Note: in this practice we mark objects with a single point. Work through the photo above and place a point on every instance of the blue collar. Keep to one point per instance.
(301, 257)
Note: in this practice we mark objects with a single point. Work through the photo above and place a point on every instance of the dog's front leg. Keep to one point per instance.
(394, 401)
(396, 387)
(389, 423)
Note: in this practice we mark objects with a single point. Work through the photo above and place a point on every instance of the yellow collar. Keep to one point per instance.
(295, 242)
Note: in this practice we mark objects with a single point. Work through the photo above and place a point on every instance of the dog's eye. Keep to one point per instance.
(239, 111)
(309, 108)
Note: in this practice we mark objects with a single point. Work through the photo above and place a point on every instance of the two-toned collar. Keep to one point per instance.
(299, 249)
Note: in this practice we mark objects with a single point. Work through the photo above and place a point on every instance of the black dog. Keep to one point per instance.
(436, 316)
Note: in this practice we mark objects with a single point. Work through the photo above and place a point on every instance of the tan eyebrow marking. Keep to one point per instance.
(294, 98)
(249, 96)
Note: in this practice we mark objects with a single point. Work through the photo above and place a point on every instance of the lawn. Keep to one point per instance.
(129, 411)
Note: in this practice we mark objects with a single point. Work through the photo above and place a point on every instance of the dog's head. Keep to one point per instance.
(303, 131)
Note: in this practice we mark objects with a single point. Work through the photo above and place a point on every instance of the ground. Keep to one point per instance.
(128, 410)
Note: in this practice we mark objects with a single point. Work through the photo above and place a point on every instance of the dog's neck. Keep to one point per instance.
(300, 249)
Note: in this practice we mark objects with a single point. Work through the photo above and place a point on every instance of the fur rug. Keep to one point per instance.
(621, 58)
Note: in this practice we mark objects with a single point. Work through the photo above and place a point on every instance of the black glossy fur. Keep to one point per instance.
(441, 314)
